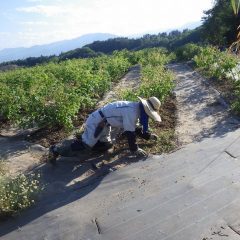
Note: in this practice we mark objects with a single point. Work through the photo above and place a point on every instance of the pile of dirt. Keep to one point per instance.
(168, 113)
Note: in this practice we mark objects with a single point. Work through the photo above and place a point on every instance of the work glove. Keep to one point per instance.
(140, 153)
(146, 135)
(154, 137)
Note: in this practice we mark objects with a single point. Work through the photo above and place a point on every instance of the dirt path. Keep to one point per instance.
(201, 111)
(130, 81)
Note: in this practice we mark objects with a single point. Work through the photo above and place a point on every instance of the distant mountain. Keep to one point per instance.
(55, 48)
(191, 25)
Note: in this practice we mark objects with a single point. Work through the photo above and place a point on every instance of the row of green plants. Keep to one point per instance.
(158, 81)
(17, 192)
(187, 52)
(221, 66)
(215, 63)
(52, 94)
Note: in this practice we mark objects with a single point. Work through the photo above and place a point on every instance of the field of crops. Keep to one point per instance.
(53, 94)
(56, 94)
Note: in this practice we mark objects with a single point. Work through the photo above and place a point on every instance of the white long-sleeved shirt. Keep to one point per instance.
(122, 114)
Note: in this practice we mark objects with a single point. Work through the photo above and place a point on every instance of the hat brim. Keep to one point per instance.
(149, 110)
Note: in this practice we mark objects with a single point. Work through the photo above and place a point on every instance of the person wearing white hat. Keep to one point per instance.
(124, 115)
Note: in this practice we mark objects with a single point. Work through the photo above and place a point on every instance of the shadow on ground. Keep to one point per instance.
(70, 180)
(219, 129)
(12, 147)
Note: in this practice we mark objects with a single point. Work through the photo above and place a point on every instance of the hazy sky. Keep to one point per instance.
(31, 22)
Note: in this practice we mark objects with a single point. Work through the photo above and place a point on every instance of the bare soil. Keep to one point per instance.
(200, 111)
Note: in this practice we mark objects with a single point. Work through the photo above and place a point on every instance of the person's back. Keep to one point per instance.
(122, 114)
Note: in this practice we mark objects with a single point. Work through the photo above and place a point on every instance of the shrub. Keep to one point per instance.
(187, 52)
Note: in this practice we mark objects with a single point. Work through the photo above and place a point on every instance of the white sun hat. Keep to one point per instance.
(151, 107)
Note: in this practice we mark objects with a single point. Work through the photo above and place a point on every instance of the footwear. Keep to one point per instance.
(102, 146)
(52, 155)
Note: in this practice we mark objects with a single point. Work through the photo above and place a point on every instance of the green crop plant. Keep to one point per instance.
(187, 52)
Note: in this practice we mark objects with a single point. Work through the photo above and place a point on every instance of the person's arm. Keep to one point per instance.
(129, 125)
(131, 137)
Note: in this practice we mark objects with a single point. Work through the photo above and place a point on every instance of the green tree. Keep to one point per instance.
(220, 24)
(236, 44)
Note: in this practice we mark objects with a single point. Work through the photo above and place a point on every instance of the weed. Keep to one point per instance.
(17, 193)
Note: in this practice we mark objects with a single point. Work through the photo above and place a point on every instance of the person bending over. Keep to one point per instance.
(129, 117)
